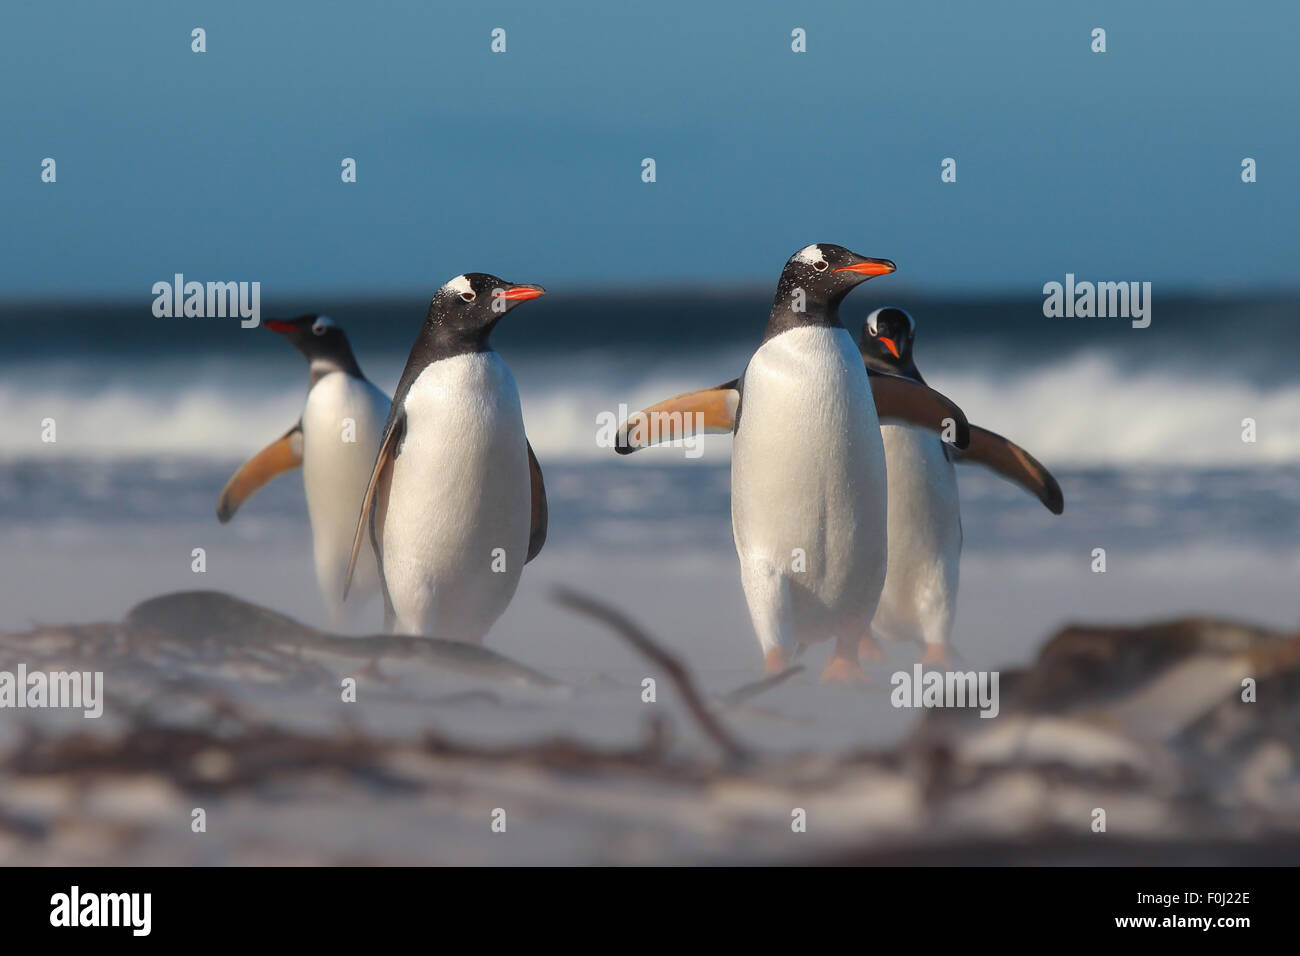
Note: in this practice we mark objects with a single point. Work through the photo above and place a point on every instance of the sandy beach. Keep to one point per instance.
(240, 714)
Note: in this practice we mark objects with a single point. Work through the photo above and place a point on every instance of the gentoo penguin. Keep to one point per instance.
(808, 505)
(335, 441)
(455, 505)
(920, 593)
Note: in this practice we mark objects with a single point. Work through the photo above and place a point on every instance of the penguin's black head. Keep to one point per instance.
(887, 337)
(465, 310)
(825, 273)
(318, 338)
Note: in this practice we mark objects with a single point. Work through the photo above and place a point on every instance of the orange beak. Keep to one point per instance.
(890, 344)
(870, 267)
(519, 293)
(277, 326)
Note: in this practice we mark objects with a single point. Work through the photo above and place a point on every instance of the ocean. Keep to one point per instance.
(1143, 429)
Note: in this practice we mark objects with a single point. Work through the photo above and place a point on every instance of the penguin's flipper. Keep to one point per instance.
(910, 402)
(380, 475)
(1014, 464)
(281, 455)
(537, 528)
(713, 411)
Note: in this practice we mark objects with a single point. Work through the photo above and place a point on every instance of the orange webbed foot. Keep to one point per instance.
(936, 655)
(775, 661)
(870, 651)
(843, 670)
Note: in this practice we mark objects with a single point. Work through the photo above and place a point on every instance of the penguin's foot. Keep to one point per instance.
(870, 651)
(774, 661)
(936, 655)
(843, 667)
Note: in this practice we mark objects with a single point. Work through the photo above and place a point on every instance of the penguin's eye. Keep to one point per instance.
(469, 296)
(318, 328)
(821, 265)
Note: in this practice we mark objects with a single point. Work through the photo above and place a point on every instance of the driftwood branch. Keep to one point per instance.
(754, 688)
(662, 658)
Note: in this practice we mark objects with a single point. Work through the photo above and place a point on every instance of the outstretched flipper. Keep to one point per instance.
(380, 477)
(281, 455)
(1013, 463)
(910, 402)
(537, 528)
(708, 411)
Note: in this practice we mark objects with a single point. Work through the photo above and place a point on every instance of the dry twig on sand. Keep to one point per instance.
(622, 625)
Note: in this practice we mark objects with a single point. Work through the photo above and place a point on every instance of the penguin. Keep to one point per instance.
(808, 482)
(924, 526)
(335, 441)
(455, 505)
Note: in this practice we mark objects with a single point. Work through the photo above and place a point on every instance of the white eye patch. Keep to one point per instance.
(871, 322)
(460, 286)
(322, 323)
(810, 254)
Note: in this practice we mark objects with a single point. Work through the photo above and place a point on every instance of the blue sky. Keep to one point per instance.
(225, 165)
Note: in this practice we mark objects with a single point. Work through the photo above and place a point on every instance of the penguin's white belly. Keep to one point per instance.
(808, 489)
(459, 506)
(342, 425)
(920, 593)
